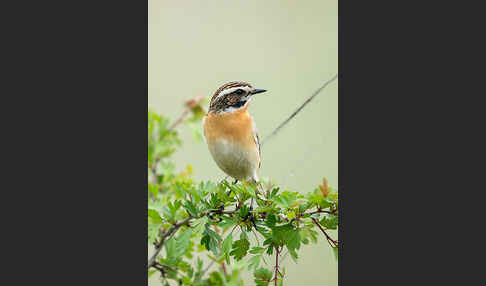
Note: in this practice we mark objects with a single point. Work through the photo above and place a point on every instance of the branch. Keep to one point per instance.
(299, 109)
(329, 239)
(276, 265)
(190, 105)
(204, 272)
(180, 119)
(323, 211)
(172, 230)
(159, 245)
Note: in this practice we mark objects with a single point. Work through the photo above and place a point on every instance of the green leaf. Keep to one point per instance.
(257, 250)
(262, 276)
(335, 250)
(243, 212)
(270, 220)
(329, 221)
(198, 225)
(228, 221)
(170, 247)
(190, 208)
(226, 247)
(286, 199)
(292, 239)
(293, 254)
(210, 240)
(286, 235)
(254, 262)
(243, 235)
(151, 272)
(153, 189)
(240, 248)
(183, 242)
(154, 216)
(153, 231)
(274, 193)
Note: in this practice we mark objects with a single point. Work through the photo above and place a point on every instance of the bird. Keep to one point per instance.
(231, 134)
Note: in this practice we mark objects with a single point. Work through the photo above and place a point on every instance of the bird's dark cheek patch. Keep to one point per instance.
(238, 104)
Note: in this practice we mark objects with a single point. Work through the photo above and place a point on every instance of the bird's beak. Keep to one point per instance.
(256, 90)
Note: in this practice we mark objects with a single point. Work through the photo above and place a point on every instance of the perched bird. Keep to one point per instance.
(230, 131)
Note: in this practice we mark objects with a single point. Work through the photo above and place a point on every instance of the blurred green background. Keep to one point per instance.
(289, 48)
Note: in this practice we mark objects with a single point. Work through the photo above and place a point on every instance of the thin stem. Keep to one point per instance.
(172, 230)
(166, 234)
(299, 109)
(329, 239)
(322, 211)
(204, 272)
(180, 119)
(276, 265)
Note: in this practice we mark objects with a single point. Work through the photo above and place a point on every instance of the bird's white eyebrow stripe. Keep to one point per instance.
(233, 89)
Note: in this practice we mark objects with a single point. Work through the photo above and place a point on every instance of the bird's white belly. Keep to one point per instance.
(233, 159)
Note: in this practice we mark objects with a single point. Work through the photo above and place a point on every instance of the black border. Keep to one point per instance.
(79, 152)
(76, 163)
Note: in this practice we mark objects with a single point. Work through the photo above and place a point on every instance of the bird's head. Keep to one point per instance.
(232, 96)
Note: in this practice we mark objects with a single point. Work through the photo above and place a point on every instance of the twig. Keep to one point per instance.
(329, 239)
(158, 247)
(172, 230)
(299, 109)
(276, 265)
(153, 168)
(190, 105)
(204, 272)
(323, 211)
(180, 119)
(223, 266)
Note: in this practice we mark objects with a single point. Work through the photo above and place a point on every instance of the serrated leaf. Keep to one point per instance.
(243, 212)
(329, 221)
(190, 208)
(199, 225)
(226, 247)
(257, 250)
(170, 248)
(183, 242)
(254, 262)
(210, 240)
(228, 221)
(240, 248)
(286, 199)
(292, 239)
(262, 276)
(270, 220)
(243, 235)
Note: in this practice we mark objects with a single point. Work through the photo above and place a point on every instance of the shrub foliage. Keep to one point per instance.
(190, 220)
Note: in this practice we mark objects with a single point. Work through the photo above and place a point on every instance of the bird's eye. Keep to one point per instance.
(239, 91)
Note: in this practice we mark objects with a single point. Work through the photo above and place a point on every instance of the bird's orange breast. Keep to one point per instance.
(236, 127)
